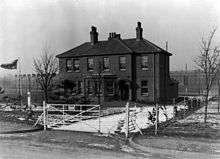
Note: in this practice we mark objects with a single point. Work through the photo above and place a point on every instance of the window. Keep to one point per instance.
(122, 63)
(76, 65)
(144, 88)
(106, 64)
(74, 87)
(110, 87)
(90, 64)
(144, 62)
(89, 87)
(68, 65)
(80, 87)
(97, 84)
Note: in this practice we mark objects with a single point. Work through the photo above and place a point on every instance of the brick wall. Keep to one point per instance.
(133, 73)
(114, 67)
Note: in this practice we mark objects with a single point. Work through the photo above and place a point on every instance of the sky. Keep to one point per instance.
(26, 26)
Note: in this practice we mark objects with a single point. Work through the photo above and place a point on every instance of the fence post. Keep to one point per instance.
(99, 119)
(156, 122)
(191, 104)
(127, 121)
(29, 99)
(63, 114)
(80, 111)
(44, 112)
(174, 108)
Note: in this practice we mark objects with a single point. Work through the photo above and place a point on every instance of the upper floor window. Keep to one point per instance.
(144, 62)
(106, 64)
(76, 65)
(144, 88)
(122, 63)
(69, 65)
(90, 64)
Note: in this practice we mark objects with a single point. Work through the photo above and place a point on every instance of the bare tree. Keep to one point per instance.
(46, 67)
(208, 62)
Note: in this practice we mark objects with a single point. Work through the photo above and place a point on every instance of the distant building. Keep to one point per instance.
(129, 68)
(192, 82)
(28, 82)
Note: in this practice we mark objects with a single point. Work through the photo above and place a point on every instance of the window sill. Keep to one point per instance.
(122, 69)
(144, 69)
(145, 95)
(110, 94)
(77, 71)
(69, 71)
(106, 70)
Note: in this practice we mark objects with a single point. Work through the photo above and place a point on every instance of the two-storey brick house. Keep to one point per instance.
(127, 68)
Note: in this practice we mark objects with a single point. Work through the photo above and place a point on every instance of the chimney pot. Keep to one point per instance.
(114, 35)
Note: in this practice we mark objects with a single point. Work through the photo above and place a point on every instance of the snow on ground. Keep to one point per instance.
(108, 124)
(197, 117)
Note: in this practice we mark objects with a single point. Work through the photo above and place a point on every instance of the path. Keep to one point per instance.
(109, 123)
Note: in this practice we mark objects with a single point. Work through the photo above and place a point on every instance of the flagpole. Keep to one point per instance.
(20, 85)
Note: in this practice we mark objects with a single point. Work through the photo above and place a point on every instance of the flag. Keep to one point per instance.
(12, 65)
(1, 90)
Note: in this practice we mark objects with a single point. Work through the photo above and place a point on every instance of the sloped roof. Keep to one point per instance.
(113, 46)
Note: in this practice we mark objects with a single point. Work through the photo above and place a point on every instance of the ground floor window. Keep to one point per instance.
(144, 88)
(80, 87)
(97, 84)
(110, 87)
(89, 87)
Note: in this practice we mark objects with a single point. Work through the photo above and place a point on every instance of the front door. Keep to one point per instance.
(124, 90)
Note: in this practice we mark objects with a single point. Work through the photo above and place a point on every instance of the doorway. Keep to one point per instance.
(123, 89)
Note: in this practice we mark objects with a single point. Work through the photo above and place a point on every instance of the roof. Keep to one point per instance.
(113, 46)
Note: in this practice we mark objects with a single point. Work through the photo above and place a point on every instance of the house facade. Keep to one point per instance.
(119, 69)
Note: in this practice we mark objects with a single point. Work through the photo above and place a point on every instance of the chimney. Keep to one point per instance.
(93, 35)
(139, 32)
(114, 35)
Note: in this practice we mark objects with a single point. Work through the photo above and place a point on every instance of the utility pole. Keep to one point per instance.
(218, 95)
(99, 92)
(20, 82)
(166, 45)
(155, 94)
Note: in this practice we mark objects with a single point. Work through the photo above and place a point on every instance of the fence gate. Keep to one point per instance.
(57, 115)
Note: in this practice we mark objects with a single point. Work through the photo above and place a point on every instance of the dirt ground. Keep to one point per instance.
(184, 138)
(190, 134)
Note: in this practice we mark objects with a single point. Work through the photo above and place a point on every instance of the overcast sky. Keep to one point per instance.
(27, 25)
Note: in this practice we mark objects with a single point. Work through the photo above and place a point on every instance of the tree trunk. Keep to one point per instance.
(206, 107)
(45, 96)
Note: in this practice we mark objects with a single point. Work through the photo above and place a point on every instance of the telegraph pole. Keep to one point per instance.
(218, 95)
(155, 95)
(99, 93)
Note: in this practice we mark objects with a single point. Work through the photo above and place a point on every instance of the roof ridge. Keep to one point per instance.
(121, 41)
(157, 47)
(152, 44)
(72, 49)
